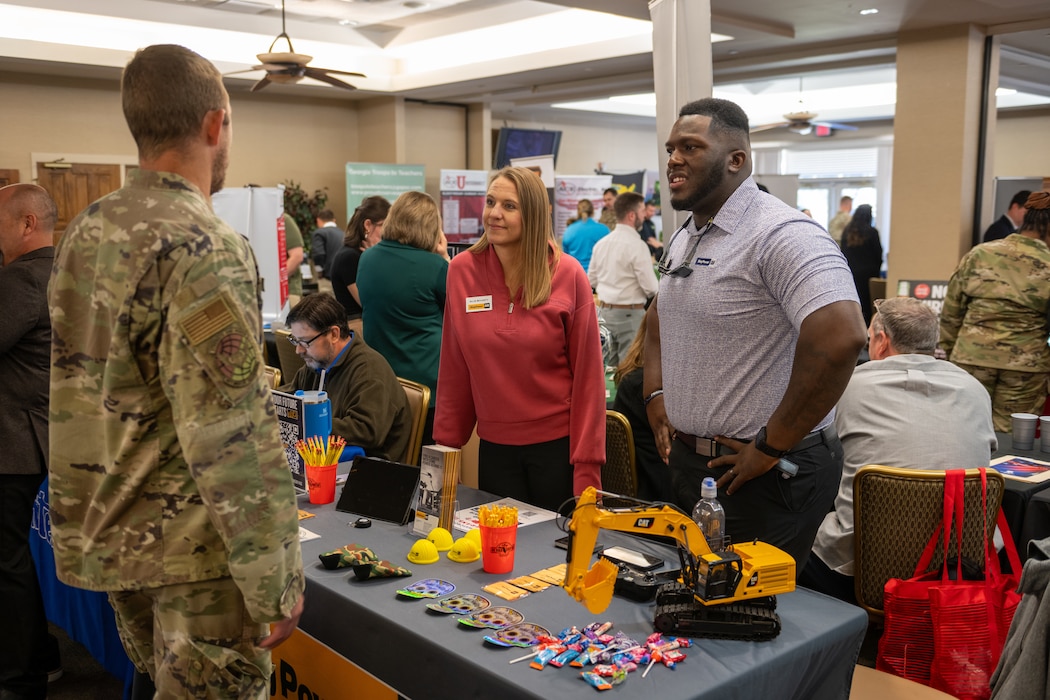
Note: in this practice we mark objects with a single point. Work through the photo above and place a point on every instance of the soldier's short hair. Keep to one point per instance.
(166, 90)
(911, 325)
(320, 312)
(625, 203)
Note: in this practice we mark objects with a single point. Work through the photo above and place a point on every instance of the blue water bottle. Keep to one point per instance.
(317, 414)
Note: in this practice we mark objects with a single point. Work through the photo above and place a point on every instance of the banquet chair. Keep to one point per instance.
(418, 400)
(273, 376)
(286, 355)
(895, 511)
(619, 473)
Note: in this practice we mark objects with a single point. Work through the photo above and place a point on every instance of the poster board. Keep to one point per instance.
(569, 190)
(929, 292)
(384, 179)
(462, 204)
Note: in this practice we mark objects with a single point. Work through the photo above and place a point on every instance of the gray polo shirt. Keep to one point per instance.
(728, 330)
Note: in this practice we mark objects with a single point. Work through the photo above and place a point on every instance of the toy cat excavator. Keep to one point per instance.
(724, 594)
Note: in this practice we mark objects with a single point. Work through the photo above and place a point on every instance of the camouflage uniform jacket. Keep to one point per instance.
(166, 461)
(995, 312)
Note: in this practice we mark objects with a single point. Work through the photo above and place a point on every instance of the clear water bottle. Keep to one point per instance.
(708, 514)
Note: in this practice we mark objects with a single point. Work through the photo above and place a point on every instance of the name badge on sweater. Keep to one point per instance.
(482, 303)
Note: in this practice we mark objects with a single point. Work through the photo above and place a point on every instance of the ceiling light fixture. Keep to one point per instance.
(870, 11)
(347, 23)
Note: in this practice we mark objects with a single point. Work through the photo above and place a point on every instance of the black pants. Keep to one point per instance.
(818, 576)
(27, 650)
(540, 474)
(785, 513)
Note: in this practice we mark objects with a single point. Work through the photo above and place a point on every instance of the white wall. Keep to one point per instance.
(584, 146)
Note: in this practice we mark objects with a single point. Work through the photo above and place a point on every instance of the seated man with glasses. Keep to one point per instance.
(369, 406)
(903, 409)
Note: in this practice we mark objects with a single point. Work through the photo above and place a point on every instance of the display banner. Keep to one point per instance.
(929, 292)
(384, 179)
(257, 213)
(462, 204)
(305, 668)
(569, 190)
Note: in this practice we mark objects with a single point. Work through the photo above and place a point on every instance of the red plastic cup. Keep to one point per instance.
(497, 548)
(320, 482)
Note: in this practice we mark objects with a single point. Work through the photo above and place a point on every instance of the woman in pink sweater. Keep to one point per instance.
(520, 354)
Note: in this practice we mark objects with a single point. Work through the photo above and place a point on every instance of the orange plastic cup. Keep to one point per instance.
(497, 548)
(320, 482)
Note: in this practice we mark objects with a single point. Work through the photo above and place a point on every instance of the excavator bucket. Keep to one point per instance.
(598, 585)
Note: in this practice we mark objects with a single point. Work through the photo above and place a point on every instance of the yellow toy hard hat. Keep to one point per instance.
(464, 551)
(475, 536)
(423, 552)
(441, 538)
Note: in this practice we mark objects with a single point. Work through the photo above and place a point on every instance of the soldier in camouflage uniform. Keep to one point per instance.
(994, 321)
(169, 487)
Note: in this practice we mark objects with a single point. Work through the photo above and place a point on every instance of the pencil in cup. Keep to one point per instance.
(497, 516)
(316, 452)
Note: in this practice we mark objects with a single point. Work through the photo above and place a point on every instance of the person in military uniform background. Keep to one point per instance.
(169, 487)
(994, 321)
(27, 220)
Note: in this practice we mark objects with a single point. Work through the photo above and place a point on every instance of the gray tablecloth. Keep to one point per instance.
(425, 655)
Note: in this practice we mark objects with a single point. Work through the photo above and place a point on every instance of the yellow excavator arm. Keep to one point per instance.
(749, 570)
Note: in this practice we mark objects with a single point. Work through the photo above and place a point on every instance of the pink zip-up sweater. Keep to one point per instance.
(526, 375)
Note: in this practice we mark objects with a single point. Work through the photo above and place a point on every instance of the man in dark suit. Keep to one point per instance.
(1008, 222)
(27, 222)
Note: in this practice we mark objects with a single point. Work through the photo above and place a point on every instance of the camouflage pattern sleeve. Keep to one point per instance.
(212, 373)
(953, 311)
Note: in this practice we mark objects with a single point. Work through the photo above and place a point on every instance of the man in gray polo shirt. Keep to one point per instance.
(753, 338)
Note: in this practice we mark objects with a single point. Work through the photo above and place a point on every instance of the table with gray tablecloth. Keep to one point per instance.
(426, 655)
(1019, 497)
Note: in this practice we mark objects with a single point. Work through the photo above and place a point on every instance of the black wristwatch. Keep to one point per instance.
(763, 446)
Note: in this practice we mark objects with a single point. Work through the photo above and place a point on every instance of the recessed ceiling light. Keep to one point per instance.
(870, 11)
(347, 23)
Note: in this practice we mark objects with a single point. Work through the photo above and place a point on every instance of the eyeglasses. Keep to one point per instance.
(305, 343)
(684, 268)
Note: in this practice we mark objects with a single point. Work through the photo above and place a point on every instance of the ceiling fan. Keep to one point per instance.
(802, 122)
(290, 67)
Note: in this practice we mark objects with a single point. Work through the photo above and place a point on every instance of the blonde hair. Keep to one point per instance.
(413, 220)
(539, 257)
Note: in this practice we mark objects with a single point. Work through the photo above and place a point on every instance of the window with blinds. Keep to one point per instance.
(831, 163)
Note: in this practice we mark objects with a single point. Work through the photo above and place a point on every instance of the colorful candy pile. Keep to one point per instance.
(611, 656)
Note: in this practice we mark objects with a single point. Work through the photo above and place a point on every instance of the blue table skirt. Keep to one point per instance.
(86, 616)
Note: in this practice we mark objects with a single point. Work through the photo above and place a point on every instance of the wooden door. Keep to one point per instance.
(74, 186)
(8, 176)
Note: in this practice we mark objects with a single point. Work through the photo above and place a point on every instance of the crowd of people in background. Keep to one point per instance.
(728, 364)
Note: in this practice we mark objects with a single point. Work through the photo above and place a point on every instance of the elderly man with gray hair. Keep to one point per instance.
(903, 409)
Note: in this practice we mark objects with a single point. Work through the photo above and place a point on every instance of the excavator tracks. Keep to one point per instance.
(678, 613)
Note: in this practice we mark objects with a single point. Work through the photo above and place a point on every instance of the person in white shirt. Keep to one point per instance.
(621, 271)
(904, 409)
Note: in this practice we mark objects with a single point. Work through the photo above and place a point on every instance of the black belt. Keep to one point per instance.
(707, 447)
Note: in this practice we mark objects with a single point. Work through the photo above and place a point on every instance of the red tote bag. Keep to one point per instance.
(945, 633)
(972, 618)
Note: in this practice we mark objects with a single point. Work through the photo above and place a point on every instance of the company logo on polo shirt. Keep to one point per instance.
(480, 303)
(704, 262)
